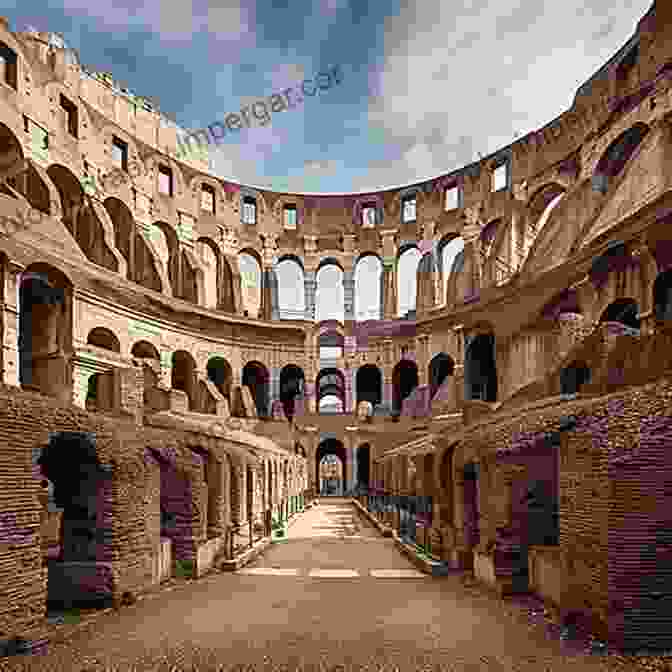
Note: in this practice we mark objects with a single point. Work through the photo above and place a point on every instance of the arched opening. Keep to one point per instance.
(124, 233)
(369, 384)
(228, 301)
(404, 381)
(151, 365)
(449, 251)
(220, 373)
(82, 488)
(540, 208)
(662, 296)
(103, 338)
(617, 155)
(363, 468)
(573, 377)
(250, 278)
(330, 293)
(440, 368)
(209, 256)
(291, 289)
(45, 330)
(292, 381)
(11, 155)
(624, 311)
(368, 289)
(330, 391)
(256, 378)
(480, 369)
(407, 281)
(184, 377)
(145, 350)
(72, 198)
(332, 480)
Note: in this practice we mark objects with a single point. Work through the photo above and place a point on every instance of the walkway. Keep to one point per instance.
(241, 621)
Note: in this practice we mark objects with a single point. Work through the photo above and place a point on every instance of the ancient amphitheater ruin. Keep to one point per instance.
(158, 414)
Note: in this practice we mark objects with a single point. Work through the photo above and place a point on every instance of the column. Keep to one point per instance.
(349, 294)
(10, 336)
(310, 287)
(348, 375)
(389, 275)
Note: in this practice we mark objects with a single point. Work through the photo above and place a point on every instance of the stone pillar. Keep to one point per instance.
(348, 375)
(10, 334)
(389, 275)
(349, 295)
(310, 287)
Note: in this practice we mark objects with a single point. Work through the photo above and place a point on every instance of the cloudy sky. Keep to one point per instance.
(425, 86)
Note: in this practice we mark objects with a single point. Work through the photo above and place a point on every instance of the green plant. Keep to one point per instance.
(184, 569)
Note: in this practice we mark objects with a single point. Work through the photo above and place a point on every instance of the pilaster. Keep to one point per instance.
(10, 333)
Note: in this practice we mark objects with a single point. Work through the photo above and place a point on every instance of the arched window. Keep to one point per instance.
(220, 373)
(292, 382)
(404, 381)
(616, 156)
(440, 368)
(368, 273)
(183, 376)
(662, 296)
(330, 295)
(291, 295)
(480, 377)
(209, 258)
(103, 338)
(407, 281)
(449, 253)
(331, 391)
(624, 311)
(255, 376)
(573, 377)
(369, 384)
(250, 279)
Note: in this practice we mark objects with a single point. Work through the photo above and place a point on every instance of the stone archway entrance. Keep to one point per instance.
(331, 467)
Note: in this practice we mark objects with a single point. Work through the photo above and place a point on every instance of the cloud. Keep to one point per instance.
(456, 81)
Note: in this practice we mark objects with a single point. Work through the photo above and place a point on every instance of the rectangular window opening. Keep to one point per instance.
(249, 210)
(120, 153)
(409, 214)
(165, 181)
(500, 177)
(70, 110)
(452, 198)
(290, 216)
(208, 198)
(369, 217)
(8, 66)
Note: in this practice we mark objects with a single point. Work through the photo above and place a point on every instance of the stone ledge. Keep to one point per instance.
(385, 530)
(245, 557)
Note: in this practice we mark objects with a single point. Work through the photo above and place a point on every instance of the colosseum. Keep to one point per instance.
(162, 415)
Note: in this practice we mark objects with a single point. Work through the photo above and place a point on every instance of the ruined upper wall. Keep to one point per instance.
(44, 70)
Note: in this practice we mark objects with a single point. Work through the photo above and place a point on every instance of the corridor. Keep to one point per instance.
(333, 603)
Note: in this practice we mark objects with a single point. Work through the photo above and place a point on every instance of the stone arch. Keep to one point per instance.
(11, 155)
(211, 261)
(363, 467)
(251, 267)
(404, 381)
(329, 290)
(369, 384)
(449, 248)
(102, 337)
(255, 376)
(330, 384)
(408, 260)
(291, 289)
(45, 330)
(440, 367)
(426, 282)
(145, 350)
(192, 283)
(219, 371)
(292, 381)
(228, 294)
(195, 186)
(184, 377)
(573, 377)
(125, 232)
(331, 446)
(662, 296)
(370, 265)
(624, 310)
(616, 155)
(71, 196)
(480, 369)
